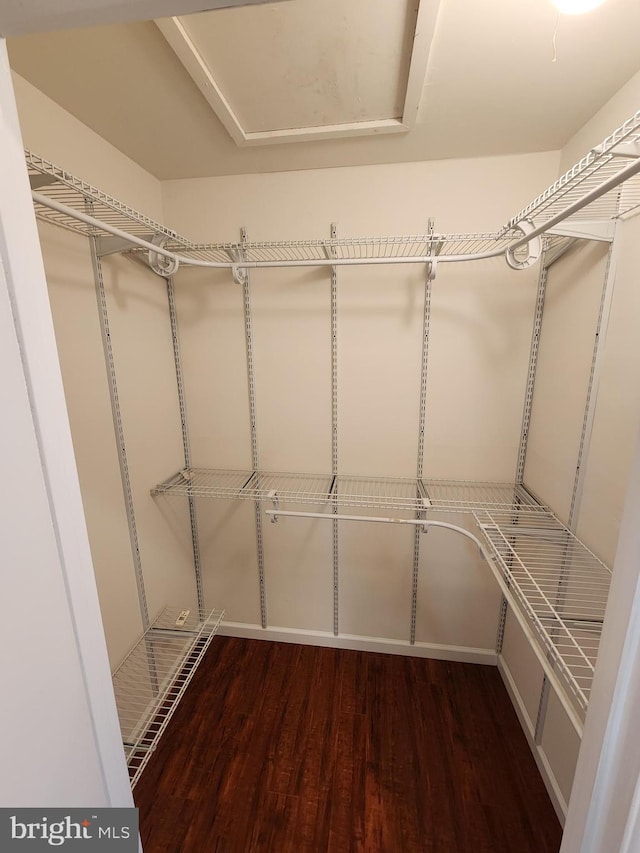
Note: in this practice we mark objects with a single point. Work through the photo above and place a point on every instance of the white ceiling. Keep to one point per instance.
(18, 17)
(337, 82)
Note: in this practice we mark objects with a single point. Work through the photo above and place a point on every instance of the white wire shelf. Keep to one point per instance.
(604, 162)
(345, 491)
(361, 248)
(559, 585)
(61, 186)
(152, 679)
(56, 183)
(615, 161)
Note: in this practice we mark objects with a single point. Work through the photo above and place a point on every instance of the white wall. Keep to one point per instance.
(480, 336)
(624, 104)
(56, 135)
(60, 739)
(140, 331)
(567, 339)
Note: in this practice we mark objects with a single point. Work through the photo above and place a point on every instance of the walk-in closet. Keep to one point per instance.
(325, 386)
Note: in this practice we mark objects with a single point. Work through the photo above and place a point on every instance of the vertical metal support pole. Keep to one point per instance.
(334, 436)
(594, 379)
(502, 621)
(531, 374)
(118, 429)
(526, 417)
(173, 317)
(255, 464)
(426, 323)
(585, 441)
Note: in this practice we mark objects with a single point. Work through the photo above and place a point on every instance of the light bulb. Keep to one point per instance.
(576, 7)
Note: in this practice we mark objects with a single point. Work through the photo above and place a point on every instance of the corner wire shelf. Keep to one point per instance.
(61, 186)
(559, 585)
(400, 494)
(604, 163)
(550, 576)
(152, 679)
(352, 249)
(607, 161)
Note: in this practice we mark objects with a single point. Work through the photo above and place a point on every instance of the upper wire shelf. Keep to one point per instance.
(151, 680)
(603, 163)
(612, 166)
(355, 248)
(345, 491)
(61, 186)
(557, 583)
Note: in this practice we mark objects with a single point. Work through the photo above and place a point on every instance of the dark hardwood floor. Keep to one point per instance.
(298, 749)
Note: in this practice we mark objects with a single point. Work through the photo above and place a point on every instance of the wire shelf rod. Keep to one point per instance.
(185, 260)
(613, 182)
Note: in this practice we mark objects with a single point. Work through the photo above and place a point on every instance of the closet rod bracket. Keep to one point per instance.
(533, 247)
(275, 500)
(239, 274)
(161, 264)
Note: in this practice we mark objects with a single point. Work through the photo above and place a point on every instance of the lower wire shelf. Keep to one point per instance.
(152, 679)
(415, 495)
(556, 587)
(560, 588)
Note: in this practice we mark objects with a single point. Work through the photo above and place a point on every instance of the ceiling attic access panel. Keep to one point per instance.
(301, 71)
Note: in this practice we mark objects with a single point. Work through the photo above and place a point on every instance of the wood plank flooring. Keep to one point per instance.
(281, 748)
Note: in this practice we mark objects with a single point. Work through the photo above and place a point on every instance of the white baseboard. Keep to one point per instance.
(461, 654)
(546, 771)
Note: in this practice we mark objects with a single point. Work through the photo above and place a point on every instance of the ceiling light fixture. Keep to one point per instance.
(576, 7)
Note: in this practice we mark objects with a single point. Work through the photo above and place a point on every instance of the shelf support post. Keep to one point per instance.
(426, 323)
(245, 282)
(186, 445)
(526, 415)
(118, 428)
(334, 435)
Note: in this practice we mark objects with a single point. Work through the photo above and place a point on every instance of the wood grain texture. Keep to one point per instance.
(298, 749)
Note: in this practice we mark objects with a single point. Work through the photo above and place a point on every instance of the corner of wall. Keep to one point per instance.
(52, 132)
(617, 110)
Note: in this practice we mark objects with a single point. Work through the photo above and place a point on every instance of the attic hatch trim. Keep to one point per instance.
(178, 38)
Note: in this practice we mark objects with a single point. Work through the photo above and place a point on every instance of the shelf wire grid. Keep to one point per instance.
(355, 248)
(411, 494)
(603, 162)
(559, 585)
(151, 680)
(77, 194)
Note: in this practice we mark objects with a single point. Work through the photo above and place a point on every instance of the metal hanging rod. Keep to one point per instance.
(415, 522)
(240, 264)
(605, 187)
